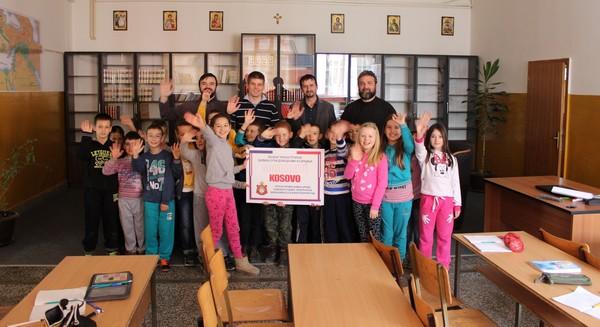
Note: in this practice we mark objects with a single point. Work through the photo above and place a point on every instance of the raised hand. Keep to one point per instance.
(188, 137)
(233, 104)
(176, 151)
(87, 127)
(422, 124)
(340, 128)
(128, 122)
(356, 153)
(137, 146)
(166, 89)
(116, 151)
(399, 118)
(194, 120)
(268, 133)
(304, 129)
(248, 118)
(296, 111)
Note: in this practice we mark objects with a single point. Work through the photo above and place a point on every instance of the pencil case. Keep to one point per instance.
(565, 279)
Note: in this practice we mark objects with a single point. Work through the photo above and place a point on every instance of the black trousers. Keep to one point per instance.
(308, 220)
(100, 206)
(250, 219)
(184, 219)
(339, 225)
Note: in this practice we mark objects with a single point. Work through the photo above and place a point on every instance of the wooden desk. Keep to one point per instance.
(344, 285)
(74, 272)
(512, 273)
(512, 204)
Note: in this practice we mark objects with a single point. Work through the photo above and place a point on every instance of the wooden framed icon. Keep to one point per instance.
(393, 24)
(119, 20)
(215, 20)
(337, 23)
(448, 26)
(169, 20)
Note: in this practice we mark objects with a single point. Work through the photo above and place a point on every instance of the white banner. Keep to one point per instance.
(289, 176)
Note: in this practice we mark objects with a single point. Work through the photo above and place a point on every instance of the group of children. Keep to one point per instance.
(371, 182)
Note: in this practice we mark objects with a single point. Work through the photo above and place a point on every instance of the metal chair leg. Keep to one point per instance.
(517, 314)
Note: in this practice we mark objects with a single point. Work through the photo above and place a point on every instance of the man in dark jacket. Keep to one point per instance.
(311, 110)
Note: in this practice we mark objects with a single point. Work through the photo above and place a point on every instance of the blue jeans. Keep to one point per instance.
(159, 229)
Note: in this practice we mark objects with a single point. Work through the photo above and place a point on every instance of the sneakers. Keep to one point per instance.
(271, 254)
(283, 258)
(242, 264)
(230, 263)
(164, 265)
(113, 253)
(254, 255)
(189, 260)
(88, 253)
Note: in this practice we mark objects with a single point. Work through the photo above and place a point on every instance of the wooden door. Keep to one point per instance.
(545, 119)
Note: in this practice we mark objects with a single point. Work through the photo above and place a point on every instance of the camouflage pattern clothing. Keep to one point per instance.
(278, 223)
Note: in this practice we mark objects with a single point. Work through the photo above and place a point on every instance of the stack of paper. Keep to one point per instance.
(581, 300)
(45, 300)
(488, 243)
(556, 266)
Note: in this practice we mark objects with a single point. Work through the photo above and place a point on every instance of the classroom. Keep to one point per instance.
(299, 163)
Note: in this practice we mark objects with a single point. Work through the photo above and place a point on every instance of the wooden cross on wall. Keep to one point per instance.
(277, 17)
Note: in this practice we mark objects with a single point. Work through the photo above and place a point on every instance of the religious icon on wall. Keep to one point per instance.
(215, 19)
(119, 20)
(337, 23)
(393, 24)
(169, 20)
(448, 26)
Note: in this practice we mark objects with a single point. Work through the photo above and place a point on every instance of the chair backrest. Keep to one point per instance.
(219, 284)
(424, 311)
(573, 248)
(445, 292)
(425, 271)
(208, 247)
(593, 260)
(207, 306)
(390, 256)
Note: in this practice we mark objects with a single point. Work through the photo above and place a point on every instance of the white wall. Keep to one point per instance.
(53, 16)
(365, 25)
(518, 31)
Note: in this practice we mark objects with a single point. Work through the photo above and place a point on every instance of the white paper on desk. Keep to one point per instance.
(488, 243)
(581, 300)
(40, 307)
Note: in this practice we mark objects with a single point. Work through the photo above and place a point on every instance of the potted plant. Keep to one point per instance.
(487, 107)
(20, 157)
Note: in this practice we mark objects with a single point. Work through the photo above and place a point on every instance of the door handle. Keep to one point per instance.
(557, 140)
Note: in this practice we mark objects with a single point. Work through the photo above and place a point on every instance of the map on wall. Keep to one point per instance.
(20, 51)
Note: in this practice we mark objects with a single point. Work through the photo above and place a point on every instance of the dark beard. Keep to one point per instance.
(366, 95)
(212, 93)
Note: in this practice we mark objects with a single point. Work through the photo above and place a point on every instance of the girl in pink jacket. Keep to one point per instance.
(367, 170)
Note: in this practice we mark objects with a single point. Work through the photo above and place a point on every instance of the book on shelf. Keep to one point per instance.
(556, 266)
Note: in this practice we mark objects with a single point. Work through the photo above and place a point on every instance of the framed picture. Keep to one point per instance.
(337, 23)
(169, 20)
(119, 20)
(448, 26)
(215, 20)
(393, 24)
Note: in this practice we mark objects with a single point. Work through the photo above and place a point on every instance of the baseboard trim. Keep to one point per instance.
(40, 197)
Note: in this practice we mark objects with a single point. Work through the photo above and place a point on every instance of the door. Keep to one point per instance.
(545, 118)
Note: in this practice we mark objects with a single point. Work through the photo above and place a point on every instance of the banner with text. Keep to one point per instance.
(290, 176)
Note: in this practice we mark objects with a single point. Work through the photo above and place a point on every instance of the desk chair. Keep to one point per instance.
(573, 248)
(208, 247)
(243, 305)
(209, 311)
(4, 310)
(390, 256)
(593, 260)
(427, 282)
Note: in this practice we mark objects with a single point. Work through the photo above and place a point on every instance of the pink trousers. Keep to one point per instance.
(437, 214)
(221, 209)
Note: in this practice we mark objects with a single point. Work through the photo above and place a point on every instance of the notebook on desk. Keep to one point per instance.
(566, 191)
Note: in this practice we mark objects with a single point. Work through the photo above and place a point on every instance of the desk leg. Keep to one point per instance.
(456, 267)
(518, 314)
(153, 299)
(290, 304)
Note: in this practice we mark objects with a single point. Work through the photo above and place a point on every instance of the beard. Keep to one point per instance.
(366, 94)
(212, 92)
